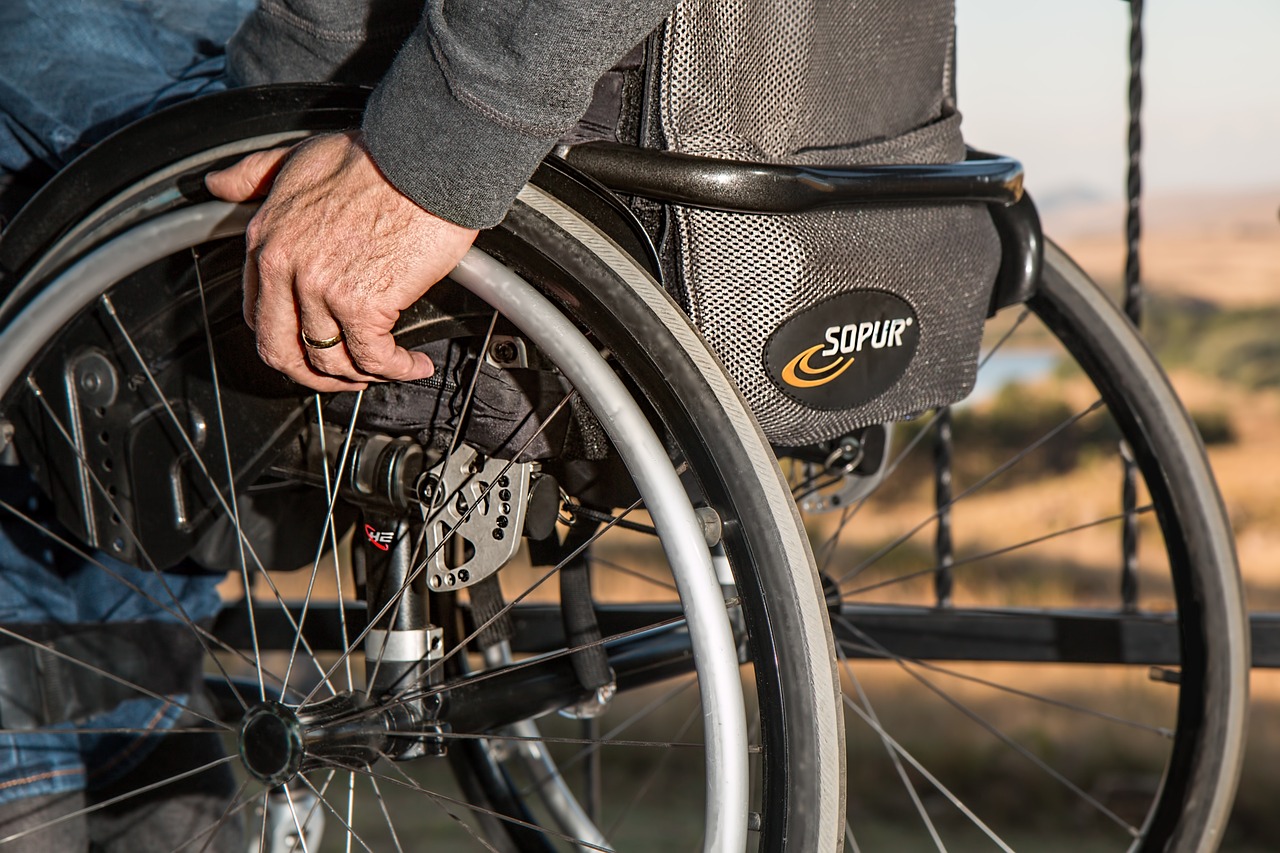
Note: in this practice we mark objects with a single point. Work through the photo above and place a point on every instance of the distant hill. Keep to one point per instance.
(1218, 247)
(1084, 212)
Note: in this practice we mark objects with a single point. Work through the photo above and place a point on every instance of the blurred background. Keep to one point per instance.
(1046, 81)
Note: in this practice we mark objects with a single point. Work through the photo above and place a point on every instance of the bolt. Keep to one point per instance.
(504, 495)
(498, 534)
(427, 488)
(504, 352)
(504, 481)
(503, 521)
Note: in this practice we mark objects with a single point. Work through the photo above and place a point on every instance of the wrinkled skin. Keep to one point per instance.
(335, 248)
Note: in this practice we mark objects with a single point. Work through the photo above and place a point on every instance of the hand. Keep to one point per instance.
(335, 250)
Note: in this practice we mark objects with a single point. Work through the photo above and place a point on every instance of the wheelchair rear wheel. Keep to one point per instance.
(406, 682)
(1023, 656)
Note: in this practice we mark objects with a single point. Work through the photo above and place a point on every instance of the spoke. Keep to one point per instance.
(997, 552)
(933, 780)
(408, 782)
(306, 819)
(849, 840)
(351, 833)
(330, 489)
(449, 814)
(245, 544)
(990, 476)
(829, 548)
(471, 681)
(813, 485)
(879, 651)
(231, 479)
(649, 781)
(893, 756)
(118, 799)
(351, 804)
(151, 566)
(195, 627)
(593, 514)
(1008, 741)
(594, 560)
(72, 728)
(580, 741)
(234, 806)
(1017, 322)
(266, 812)
(466, 401)
(328, 525)
(377, 792)
(639, 715)
(293, 812)
(112, 677)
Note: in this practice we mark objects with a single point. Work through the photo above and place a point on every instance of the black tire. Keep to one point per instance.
(798, 771)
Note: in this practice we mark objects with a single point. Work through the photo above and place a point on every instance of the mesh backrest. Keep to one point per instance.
(826, 83)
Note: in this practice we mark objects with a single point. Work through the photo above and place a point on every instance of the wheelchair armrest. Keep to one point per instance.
(738, 186)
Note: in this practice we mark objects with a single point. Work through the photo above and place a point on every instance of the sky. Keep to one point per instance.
(1046, 81)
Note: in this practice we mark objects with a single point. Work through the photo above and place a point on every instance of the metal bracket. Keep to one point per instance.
(484, 506)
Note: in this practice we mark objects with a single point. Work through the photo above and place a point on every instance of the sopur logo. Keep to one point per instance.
(843, 351)
(841, 342)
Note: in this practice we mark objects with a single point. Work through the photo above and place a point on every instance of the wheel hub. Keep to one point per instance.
(271, 744)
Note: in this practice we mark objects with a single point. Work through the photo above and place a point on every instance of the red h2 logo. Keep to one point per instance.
(380, 539)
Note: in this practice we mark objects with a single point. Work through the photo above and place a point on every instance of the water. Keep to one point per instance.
(1008, 366)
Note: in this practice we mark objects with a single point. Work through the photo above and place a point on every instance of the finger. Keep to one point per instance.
(374, 352)
(250, 178)
(250, 285)
(318, 325)
(276, 325)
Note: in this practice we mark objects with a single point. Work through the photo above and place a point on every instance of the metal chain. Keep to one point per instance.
(1132, 298)
(1133, 223)
(944, 551)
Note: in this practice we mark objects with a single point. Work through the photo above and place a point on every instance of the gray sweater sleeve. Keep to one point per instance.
(482, 89)
(478, 94)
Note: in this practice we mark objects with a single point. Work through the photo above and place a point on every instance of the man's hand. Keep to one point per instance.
(335, 250)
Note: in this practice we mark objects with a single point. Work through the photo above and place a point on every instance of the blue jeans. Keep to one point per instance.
(72, 71)
(42, 581)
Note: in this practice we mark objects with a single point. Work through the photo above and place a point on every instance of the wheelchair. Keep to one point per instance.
(610, 614)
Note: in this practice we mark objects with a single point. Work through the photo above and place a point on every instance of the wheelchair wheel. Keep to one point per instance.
(586, 619)
(1023, 658)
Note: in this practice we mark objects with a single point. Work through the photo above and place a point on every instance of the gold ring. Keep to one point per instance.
(322, 344)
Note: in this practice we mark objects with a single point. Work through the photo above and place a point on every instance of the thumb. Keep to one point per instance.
(248, 179)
